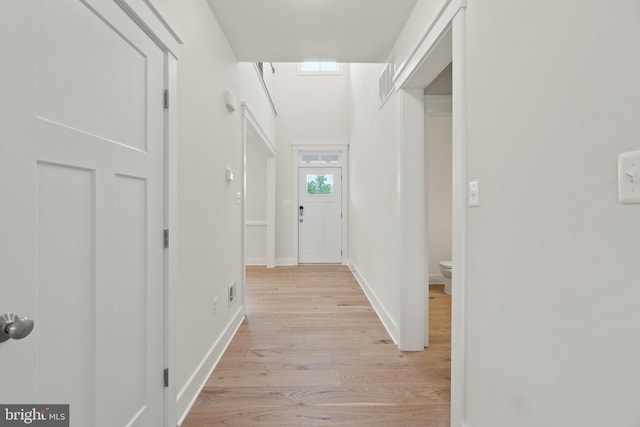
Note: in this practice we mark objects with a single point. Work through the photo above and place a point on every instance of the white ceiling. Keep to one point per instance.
(298, 30)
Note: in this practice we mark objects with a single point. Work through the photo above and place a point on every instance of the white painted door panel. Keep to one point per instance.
(320, 219)
(81, 185)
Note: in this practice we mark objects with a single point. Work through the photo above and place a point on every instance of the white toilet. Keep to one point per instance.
(446, 270)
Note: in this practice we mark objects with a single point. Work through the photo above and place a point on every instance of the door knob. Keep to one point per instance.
(14, 326)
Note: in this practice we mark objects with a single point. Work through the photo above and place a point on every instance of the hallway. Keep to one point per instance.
(312, 352)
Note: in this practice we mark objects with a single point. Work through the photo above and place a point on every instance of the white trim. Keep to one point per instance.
(256, 223)
(459, 284)
(196, 382)
(171, 253)
(412, 234)
(256, 262)
(383, 315)
(343, 149)
(271, 211)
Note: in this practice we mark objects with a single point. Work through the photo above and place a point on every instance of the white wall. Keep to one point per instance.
(552, 272)
(439, 191)
(373, 186)
(209, 231)
(311, 109)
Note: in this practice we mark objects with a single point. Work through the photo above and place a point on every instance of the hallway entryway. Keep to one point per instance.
(313, 352)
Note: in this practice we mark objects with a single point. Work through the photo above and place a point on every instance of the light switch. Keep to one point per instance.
(629, 177)
(474, 193)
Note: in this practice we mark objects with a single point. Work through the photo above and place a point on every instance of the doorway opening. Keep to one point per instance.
(443, 43)
(259, 240)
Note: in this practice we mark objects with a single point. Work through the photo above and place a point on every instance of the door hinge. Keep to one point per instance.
(166, 239)
(166, 99)
(166, 377)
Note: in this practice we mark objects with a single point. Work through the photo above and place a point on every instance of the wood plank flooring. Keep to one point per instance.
(312, 352)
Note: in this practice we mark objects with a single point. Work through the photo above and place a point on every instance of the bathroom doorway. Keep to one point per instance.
(438, 185)
(444, 43)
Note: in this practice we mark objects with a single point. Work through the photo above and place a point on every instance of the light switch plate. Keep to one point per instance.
(629, 177)
(474, 193)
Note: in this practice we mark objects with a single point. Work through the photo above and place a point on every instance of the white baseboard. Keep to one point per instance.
(436, 279)
(189, 393)
(385, 318)
(256, 261)
(285, 262)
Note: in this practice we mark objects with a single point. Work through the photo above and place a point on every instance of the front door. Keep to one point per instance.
(320, 215)
(81, 190)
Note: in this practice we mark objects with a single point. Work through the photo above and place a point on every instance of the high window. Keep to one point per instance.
(319, 68)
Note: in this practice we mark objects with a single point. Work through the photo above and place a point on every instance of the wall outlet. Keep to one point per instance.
(231, 292)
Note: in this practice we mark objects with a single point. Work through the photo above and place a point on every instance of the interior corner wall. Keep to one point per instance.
(312, 109)
(373, 186)
(209, 235)
(552, 257)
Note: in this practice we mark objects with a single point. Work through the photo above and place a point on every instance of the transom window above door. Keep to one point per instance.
(315, 158)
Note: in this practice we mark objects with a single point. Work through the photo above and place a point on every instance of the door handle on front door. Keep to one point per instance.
(14, 326)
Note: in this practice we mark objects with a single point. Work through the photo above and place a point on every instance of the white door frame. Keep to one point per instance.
(422, 66)
(250, 122)
(342, 150)
(151, 21)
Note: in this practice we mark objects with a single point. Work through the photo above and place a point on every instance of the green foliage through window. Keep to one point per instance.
(320, 184)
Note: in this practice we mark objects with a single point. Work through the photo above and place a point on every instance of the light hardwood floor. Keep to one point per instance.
(312, 352)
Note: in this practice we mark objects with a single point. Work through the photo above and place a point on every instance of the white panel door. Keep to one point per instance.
(81, 187)
(320, 215)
